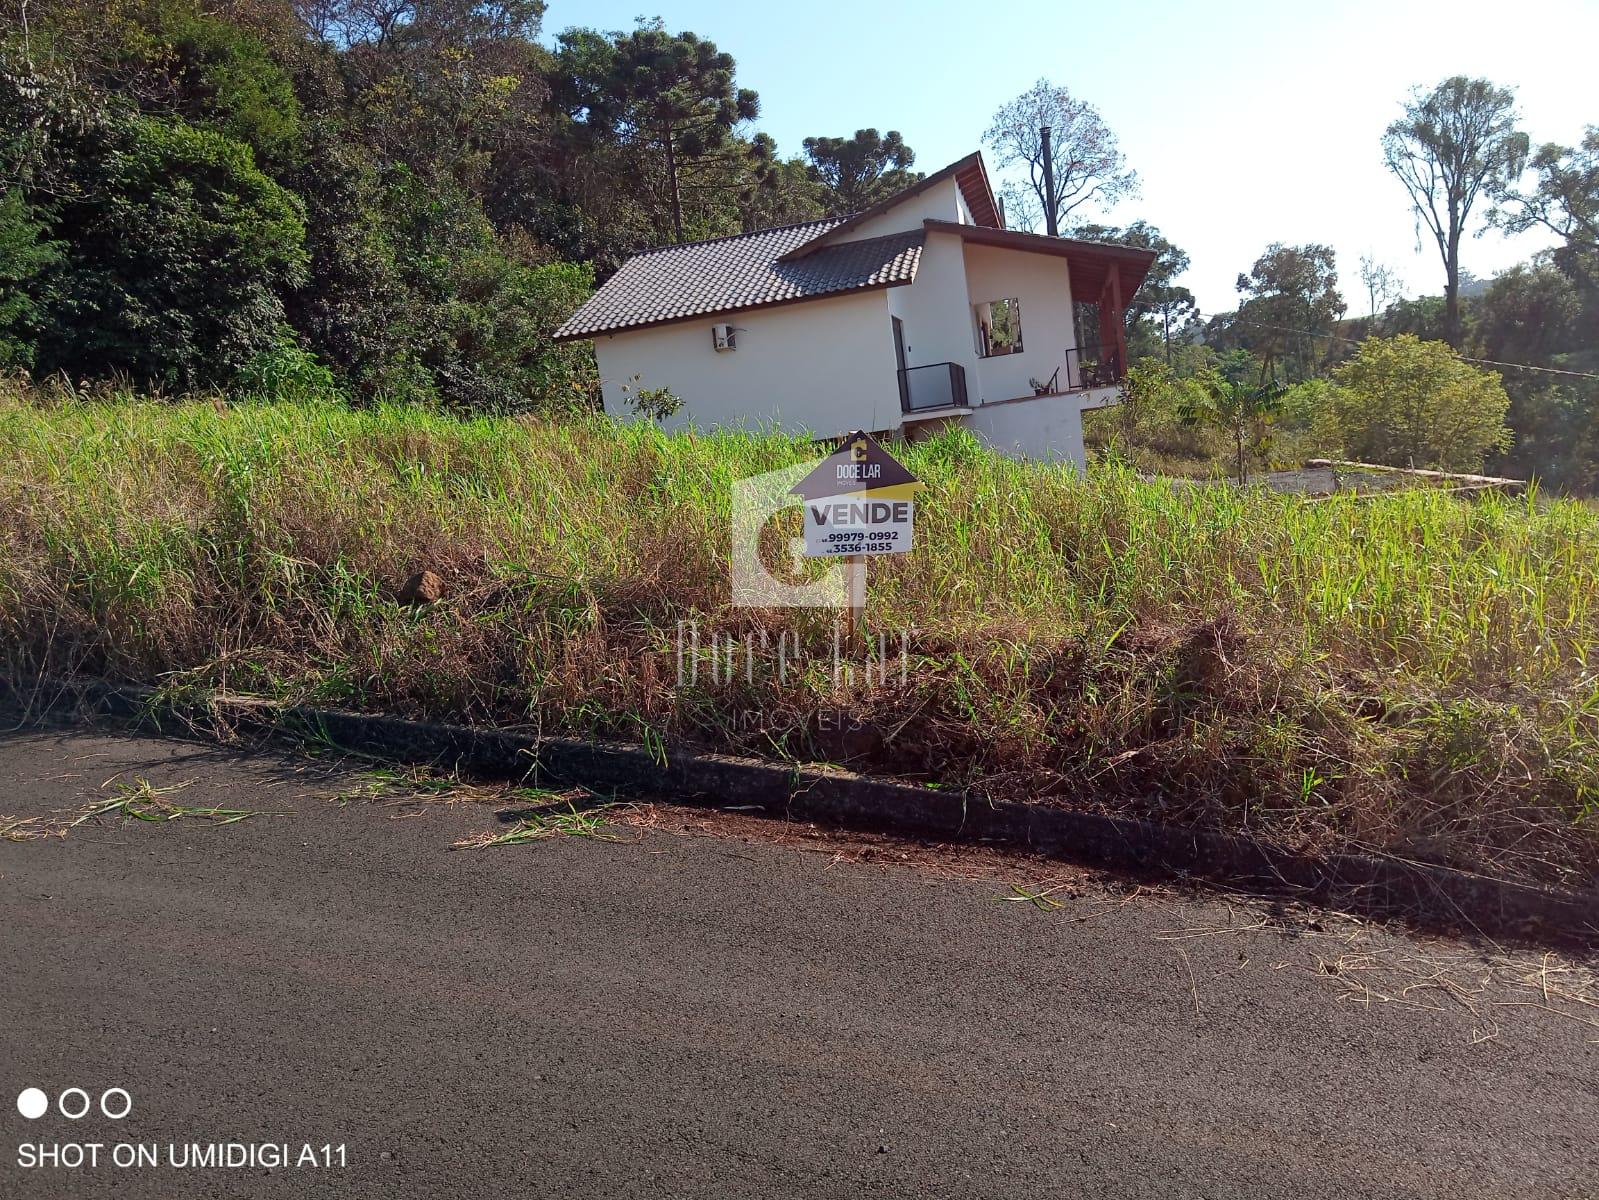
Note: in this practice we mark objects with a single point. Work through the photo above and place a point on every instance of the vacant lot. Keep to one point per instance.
(1411, 672)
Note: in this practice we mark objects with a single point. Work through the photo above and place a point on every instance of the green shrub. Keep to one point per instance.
(176, 250)
(1146, 428)
(24, 257)
(1410, 403)
(286, 371)
(223, 78)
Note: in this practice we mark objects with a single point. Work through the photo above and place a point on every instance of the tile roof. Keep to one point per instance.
(679, 283)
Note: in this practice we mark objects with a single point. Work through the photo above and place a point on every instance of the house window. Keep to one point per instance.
(999, 327)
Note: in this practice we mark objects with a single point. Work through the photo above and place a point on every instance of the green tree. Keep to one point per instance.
(478, 312)
(1536, 314)
(176, 250)
(776, 191)
(1455, 144)
(1564, 200)
(1410, 403)
(1422, 316)
(856, 172)
(24, 258)
(1243, 411)
(355, 307)
(673, 94)
(1528, 314)
(177, 59)
(223, 77)
(445, 86)
(1159, 300)
(1291, 299)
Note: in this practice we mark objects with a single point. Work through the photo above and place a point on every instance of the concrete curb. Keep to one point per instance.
(1428, 895)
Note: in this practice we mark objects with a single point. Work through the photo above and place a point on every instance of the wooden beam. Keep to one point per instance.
(1119, 318)
(1107, 336)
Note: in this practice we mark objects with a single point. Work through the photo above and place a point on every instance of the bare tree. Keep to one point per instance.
(1022, 208)
(1454, 144)
(1381, 283)
(1088, 162)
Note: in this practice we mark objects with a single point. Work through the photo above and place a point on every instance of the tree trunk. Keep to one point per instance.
(677, 193)
(1452, 288)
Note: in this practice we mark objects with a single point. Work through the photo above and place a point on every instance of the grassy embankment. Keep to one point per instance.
(1412, 673)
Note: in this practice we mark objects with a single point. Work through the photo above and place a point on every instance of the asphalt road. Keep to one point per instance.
(686, 1015)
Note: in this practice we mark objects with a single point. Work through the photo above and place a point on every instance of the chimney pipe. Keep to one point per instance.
(1049, 183)
(1001, 200)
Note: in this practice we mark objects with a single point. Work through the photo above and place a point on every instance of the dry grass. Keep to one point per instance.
(552, 822)
(138, 800)
(1412, 673)
(1484, 988)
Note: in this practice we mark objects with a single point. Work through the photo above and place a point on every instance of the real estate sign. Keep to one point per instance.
(858, 501)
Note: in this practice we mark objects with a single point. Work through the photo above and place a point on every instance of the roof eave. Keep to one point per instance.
(1132, 262)
(1041, 243)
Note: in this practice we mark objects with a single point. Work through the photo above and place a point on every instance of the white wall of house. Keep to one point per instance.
(943, 202)
(936, 315)
(1042, 428)
(1042, 284)
(823, 366)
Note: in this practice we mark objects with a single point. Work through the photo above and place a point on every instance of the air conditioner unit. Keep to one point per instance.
(722, 338)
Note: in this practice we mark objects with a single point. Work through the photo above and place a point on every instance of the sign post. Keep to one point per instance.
(859, 502)
(855, 580)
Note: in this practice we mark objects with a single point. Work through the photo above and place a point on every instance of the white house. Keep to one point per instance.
(921, 311)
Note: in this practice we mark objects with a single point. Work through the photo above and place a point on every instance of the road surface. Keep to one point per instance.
(675, 1014)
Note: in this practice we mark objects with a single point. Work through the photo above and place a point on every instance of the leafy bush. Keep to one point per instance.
(656, 403)
(1410, 403)
(24, 256)
(286, 371)
(175, 252)
(222, 77)
(1305, 406)
(1147, 428)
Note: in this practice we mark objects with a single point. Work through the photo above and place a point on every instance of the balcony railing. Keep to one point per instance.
(1078, 374)
(937, 385)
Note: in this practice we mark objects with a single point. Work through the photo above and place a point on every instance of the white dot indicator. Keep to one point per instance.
(105, 1105)
(61, 1103)
(31, 1103)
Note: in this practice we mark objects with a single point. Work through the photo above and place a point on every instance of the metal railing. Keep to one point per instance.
(936, 385)
(1107, 372)
(1077, 373)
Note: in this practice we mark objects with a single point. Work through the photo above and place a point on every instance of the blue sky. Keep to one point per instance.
(1247, 122)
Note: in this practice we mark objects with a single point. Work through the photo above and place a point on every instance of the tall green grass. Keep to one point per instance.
(1409, 672)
